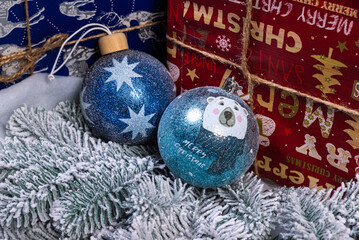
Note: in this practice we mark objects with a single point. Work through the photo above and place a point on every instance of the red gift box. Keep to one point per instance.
(305, 55)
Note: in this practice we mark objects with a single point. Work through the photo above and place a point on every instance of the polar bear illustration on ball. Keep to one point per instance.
(225, 117)
(223, 131)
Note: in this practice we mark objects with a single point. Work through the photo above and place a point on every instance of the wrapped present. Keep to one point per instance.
(297, 64)
(48, 18)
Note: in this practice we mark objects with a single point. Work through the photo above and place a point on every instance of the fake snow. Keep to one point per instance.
(37, 90)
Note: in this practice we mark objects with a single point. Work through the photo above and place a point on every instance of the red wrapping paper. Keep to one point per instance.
(311, 46)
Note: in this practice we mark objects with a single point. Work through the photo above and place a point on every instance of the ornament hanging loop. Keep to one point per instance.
(93, 27)
(231, 86)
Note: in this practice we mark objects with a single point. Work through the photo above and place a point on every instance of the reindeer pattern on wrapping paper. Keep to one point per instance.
(13, 67)
(77, 64)
(6, 26)
(48, 18)
(72, 9)
(141, 17)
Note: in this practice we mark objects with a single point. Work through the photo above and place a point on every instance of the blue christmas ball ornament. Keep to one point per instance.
(208, 137)
(125, 93)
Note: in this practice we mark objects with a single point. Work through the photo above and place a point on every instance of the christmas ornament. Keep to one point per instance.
(208, 137)
(125, 93)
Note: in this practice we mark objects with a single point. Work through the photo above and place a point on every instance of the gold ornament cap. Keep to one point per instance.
(113, 43)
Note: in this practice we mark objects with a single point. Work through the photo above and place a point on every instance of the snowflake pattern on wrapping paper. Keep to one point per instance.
(223, 43)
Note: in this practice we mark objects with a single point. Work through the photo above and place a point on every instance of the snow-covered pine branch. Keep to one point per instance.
(164, 209)
(64, 127)
(344, 204)
(245, 200)
(39, 231)
(55, 176)
(97, 202)
(45, 156)
(211, 222)
(303, 214)
(158, 208)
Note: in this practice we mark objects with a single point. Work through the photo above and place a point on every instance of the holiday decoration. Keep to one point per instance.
(302, 60)
(125, 93)
(60, 182)
(330, 68)
(47, 19)
(353, 132)
(208, 137)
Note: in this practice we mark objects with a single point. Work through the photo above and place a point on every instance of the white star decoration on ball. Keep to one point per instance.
(138, 123)
(122, 72)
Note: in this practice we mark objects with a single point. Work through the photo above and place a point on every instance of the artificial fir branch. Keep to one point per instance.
(71, 112)
(164, 209)
(155, 195)
(52, 158)
(211, 222)
(303, 214)
(40, 231)
(41, 183)
(159, 208)
(62, 128)
(344, 203)
(56, 179)
(97, 202)
(246, 200)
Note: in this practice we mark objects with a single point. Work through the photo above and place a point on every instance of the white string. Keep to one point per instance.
(95, 26)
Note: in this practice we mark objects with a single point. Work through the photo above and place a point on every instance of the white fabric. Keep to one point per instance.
(37, 90)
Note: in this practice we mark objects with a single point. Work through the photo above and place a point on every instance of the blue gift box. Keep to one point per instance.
(48, 18)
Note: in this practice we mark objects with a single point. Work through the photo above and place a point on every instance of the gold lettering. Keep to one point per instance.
(313, 183)
(297, 43)
(173, 51)
(339, 160)
(231, 17)
(271, 36)
(339, 9)
(257, 31)
(268, 105)
(331, 7)
(353, 13)
(226, 75)
(346, 10)
(198, 13)
(311, 116)
(282, 171)
(219, 22)
(185, 7)
(298, 179)
(265, 164)
(325, 5)
(293, 108)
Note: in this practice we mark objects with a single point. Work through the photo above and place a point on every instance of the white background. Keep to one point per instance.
(37, 90)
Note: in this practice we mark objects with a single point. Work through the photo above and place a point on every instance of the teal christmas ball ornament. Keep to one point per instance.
(125, 93)
(208, 137)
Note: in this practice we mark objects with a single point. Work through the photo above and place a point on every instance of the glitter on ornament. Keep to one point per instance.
(124, 95)
(85, 106)
(208, 137)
